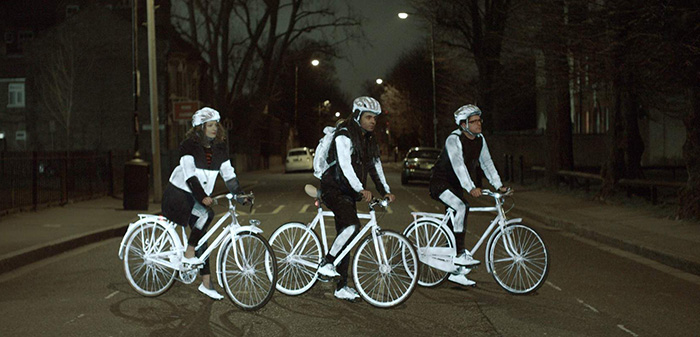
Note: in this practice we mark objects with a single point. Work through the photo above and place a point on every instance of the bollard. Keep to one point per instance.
(136, 184)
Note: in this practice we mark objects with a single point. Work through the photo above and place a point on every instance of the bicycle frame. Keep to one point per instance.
(437, 256)
(371, 225)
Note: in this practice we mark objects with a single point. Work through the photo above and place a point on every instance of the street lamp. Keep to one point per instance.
(403, 16)
(314, 63)
(380, 81)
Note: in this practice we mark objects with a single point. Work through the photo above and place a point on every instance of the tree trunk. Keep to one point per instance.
(558, 132)
(690, 194)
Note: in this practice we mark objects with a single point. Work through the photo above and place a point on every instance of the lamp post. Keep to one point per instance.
(403, 16)
(314, 63)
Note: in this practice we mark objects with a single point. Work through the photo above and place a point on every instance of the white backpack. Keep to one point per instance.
(321, 155)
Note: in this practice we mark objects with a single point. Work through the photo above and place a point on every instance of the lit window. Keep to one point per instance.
(15, 95)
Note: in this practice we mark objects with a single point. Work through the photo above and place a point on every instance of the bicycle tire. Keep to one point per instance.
(297, 272)
(525, 272)
(252, 287)
(428, 234)
(386, 286)
(147, 277)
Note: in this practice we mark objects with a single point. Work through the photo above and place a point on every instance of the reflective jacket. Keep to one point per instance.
(461, 158)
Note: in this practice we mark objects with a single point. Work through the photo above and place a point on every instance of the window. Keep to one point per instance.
(15, 95)
(71, 10)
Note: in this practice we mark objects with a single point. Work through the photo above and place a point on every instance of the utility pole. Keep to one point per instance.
(153, 80)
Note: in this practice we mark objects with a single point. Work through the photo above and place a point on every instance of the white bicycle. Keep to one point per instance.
(246, 268)
(515, 254)
(384, 268)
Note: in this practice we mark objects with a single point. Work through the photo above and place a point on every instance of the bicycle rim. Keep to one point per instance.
(249, 285)
(519, 259)
(423, 235)
(298, 253)
(386, 285)
(145, 275)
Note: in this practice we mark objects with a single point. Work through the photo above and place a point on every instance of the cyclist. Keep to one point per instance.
(465, 151)
(356, 152)
(186, 201)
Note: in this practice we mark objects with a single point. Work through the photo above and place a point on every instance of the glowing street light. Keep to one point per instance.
(315, 63)
(403, 16)
(337, 114)
(380, 81)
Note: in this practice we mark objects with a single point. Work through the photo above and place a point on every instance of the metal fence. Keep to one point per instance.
(32, 179)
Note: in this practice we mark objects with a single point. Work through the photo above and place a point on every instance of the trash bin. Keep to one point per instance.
(136, 184)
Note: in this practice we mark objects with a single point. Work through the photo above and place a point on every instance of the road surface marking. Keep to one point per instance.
(278, 209)
(111, 295)
(588, 306)
(304, 208)
(73, 320)
(388, 209)
(50, 225)
(413, 208)
(552, 285)
(622, 327)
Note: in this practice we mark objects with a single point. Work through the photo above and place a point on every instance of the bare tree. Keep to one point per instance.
(246, 41)
(476, 27)
(56, 77)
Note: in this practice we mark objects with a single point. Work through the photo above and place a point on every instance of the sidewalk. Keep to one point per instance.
(31, 236)
(27, 237)
(671, 242)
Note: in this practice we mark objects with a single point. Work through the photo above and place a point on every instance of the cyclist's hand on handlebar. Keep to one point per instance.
(207, 201)
(504, 189)
(366, 195)
(475, 192)
(390, 197)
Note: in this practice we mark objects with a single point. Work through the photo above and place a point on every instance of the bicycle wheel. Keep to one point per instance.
(245, 270)
(149, 248)
(425, 235)
(387, 284)
(518, 259)
(298, 252)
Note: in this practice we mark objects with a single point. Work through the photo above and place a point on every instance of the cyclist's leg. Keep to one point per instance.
(461, 207)
(346, 225)
(199, 222)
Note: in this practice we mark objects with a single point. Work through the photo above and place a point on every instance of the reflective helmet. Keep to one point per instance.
(204, 115)
(365, 104)
(466, 111)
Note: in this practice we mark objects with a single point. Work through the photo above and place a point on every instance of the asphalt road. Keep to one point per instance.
(592, 290)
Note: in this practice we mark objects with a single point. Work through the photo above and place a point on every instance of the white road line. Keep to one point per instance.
(588, 306)
(73, 320)
(304, 208)
(413, 208)
(278, 209)
(111, 295)
(49, 225)
(552, 285)
(622, 327)
(388, 210)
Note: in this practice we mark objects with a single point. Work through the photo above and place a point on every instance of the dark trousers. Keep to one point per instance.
(345, 211)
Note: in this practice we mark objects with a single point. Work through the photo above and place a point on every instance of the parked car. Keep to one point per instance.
(418, 162)
(299, 159)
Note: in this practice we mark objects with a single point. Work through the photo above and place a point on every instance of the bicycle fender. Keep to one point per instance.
(490, 242)
(252, 229)
(421, 219)
(143, 218)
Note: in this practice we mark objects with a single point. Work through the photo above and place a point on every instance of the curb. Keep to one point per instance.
(33, 254)
(582, 231)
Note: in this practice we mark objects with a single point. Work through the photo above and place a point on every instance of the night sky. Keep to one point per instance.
(389, 36)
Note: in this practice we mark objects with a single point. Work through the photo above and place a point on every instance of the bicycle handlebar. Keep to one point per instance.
(507, 193)
(238, 197)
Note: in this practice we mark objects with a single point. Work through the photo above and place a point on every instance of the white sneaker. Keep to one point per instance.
(192, 261)
(328, 271)
(212, 293)
(347, 293)
(465, 259)
(461, 279)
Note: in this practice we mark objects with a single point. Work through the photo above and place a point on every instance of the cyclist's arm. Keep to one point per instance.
(343, 147)
(189, 170)
(488, 167)
(454, 152)
(228, 173)
(377, 173)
